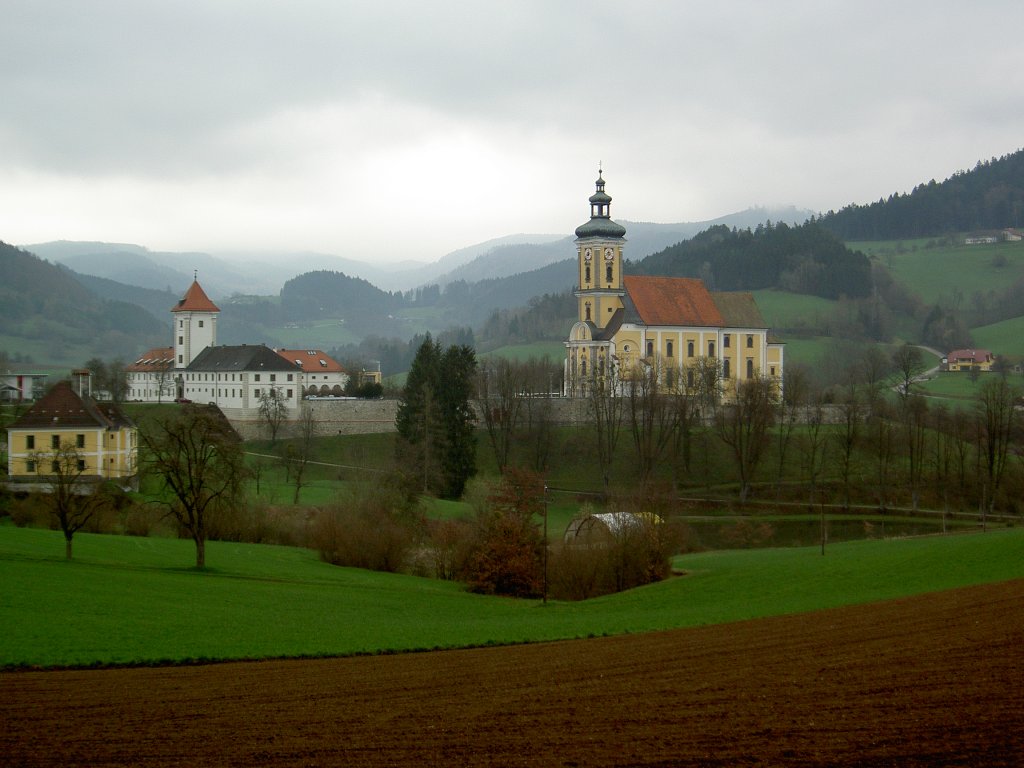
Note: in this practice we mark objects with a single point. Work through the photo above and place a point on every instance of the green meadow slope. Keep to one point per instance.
(135, 600)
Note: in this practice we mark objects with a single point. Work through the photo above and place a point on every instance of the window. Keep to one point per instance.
(772, 369)
(291, 376)
(80, 441)
(668, 349)
(689, 349)
(725, 341)
(181, 340)
(289, 394)
(711, 349)
(200, 323)
(181, 323)
(750, 341)
(586, 274)
(725, 368)
(273, 377)
(179, 358)
(608, 274)
(55, 441)
(750, 367)
(55, 467)
(256, 377)
(81, 465)
(588, 310)
(30, 466)
(256, 392)
(650, 348)
(689, 377)
(30, 442)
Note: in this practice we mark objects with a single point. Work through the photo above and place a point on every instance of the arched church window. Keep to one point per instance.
(586, 274)
(608, 273)
(583, 367)
(711, 349)
(587, 305)
(689, 349)
(669, 349)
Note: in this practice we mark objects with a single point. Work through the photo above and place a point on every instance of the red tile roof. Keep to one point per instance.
(195, 300)
(970, 355)
(311, 360)
(672, 301)
(156, 359)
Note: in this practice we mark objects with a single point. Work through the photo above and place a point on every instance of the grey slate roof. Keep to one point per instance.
(247, 357)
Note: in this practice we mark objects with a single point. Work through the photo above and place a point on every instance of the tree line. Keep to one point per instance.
(990, 196)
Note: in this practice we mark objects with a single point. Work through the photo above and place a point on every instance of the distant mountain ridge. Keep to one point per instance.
(265, 274)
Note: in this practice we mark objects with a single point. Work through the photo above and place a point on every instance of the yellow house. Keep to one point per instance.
(98, 436)
(673, 326)
(966, 359)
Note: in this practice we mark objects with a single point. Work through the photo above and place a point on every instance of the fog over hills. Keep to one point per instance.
(264, 273)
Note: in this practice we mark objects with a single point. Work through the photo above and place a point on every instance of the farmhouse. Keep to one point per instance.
(99, 437)
(669, 327)
(966, 359)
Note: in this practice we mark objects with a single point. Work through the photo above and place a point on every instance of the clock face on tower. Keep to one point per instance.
(608, 253)
(587, 254)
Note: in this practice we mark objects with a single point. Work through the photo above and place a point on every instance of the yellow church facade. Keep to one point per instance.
(673, 328)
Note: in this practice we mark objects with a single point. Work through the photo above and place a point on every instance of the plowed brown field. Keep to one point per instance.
(930, 680)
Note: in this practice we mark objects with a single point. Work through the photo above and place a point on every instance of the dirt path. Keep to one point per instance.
(931, 680)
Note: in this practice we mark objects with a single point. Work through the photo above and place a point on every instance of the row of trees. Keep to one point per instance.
(804, 259)
(990, 196)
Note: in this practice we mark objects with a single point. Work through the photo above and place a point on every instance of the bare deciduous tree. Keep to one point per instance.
(73, 498)
(273, 411)
(198, 458)
(743, 426)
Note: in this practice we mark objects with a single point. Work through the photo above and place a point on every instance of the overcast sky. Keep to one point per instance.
(393, 130)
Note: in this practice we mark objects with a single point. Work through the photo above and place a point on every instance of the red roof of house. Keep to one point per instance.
(195, 300)
(974, 355)
(311, 360)
(156, 359)
(673, 301)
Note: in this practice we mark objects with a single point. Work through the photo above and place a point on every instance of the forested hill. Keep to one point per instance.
(989, 197)
(803, 259)
(44, 303)
(327, 294)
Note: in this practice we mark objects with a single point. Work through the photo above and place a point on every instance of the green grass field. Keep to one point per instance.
(523, 352)
(127, 600)
(1005, 338)
(782, 309)
(952, 269)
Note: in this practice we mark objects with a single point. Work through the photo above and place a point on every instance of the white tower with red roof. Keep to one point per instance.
(195, 325)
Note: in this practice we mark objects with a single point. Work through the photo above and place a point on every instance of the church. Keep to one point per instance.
(674, 327)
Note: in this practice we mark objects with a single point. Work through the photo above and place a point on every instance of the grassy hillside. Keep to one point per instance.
(948, 270)
(127, 600)
(1005, 338)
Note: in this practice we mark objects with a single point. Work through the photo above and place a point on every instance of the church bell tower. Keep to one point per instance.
(599, 244)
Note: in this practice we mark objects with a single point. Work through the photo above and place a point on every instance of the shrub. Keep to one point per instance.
(506, 547)
(372, 527)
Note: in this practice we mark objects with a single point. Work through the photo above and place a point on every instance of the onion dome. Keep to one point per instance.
(600, 224)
